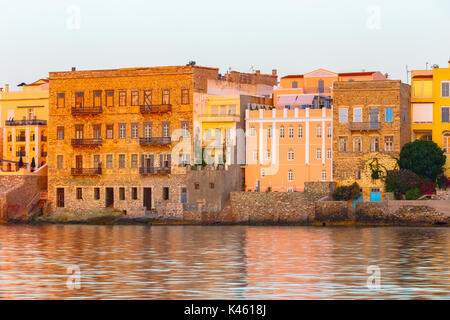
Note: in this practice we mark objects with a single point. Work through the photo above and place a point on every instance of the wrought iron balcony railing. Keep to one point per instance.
(155, 140)
(86, 171)
(154, 170)
(86, 142)
(360, 126)
(21, 138)
(77, 111)
(34, 122)
(156, 108)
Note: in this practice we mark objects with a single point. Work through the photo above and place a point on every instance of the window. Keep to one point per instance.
(147, 97)
(324, 175)
(389, 143)
(215, 110)
(422, 112)
(282, 132)
(79, 194)
(165, 193)
(96, 193)
(404, 115)
(374, 144)
(134, 160)
(135, 97)
(122, 98)
(255, 155)
(147, 130)
(197, 186)
(97, 163)
(318, 153)
(166, 129)
(291, 154)
(294, 84)
(343, 115)
(60, 133)
(388, 115)
(121, 161)
(320, 86)
(300, 131)
(79, 99)
(97, 98)
(185, 128)
(109, 161)
(60, 197)
(445, 114)
(329, 131)
(268, 155)
(319, 131)
(263, 173)
(79, 131)
(357, 115)
(343, 144)
(134, 193)
(97, 131)
(423, 88)
(446, 142)
(60, 161)
(357, 144)
(122, 130)
(109, 98)
(329, 153)
(121, 193)
(290, 176)
(269, 132)
(165, 96)
(252, 132)
(184, 96)
(134, 130)
(445, 88)
(60, 103)
(291, 131)
(109, 131)
(232, 110)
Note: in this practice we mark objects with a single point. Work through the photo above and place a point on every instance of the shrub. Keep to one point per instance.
(345, 193)
(427, 186)
(400, 181)
(443, 182)
(413, 194)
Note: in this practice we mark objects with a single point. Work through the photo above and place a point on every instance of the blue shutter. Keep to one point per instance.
(389, 116)
(445, 115)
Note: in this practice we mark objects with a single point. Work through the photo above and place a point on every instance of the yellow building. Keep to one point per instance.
(430, 107)
(23, 118)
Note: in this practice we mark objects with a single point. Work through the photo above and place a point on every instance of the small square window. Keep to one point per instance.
(134, 193)
(79, 194)
(96, 193)
(211, 185)
(197, 186)
(122, 193)
(166, 193)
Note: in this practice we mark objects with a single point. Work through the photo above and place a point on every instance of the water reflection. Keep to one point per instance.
(222, 262)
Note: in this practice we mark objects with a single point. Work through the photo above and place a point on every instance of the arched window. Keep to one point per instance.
(290, 175)
(291, 131)
(329, 131)
(324, 175)
(282, 132)
(300, 131)
(319, 131)
(269, 132)
(252, 131)
(291, 154)
(446, 142)
(318, 153)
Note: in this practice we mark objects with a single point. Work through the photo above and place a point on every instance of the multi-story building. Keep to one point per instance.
(122, 138)
(430, 104)
(302, 124)
(23, 118)
(371, 123)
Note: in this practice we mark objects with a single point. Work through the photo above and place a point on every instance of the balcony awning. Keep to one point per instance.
(295, 100)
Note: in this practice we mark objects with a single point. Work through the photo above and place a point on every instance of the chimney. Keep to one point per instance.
(74, 69)
(6, 87)
(274, 72)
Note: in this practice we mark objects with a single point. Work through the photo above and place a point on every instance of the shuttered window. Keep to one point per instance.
(388, 115)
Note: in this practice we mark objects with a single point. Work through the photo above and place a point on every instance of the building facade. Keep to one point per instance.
(371, 123)
(23, 118)
(430, 105)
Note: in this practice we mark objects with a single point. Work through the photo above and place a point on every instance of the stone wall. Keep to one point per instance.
(317, 190)
(331, 211)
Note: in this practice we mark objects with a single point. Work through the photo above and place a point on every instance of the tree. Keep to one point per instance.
(20, 162)
(33, 164)
(422, 157)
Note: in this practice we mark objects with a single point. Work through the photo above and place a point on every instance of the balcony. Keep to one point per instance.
(21, 138)
(86, 171)
(361, 126)
(20, 153)
(44, 139)
(9, 138)
(155, 141)
(26, 122)
(86, 142)
(43, 154)
(154, 170)
(156, 108)
(77, 111)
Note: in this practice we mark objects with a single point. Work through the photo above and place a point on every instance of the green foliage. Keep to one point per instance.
(33, 164)
(269, 189)
(377, 169)
(443, 182)
(413, 194)
(345, 193)
(20, 162)
(400, 181)
(423, 157)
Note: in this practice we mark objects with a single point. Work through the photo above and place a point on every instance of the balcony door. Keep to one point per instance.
(79, 99)
(79, 163)
(79, 131)
(373, 118)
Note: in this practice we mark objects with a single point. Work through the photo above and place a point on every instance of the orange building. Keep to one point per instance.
(292, 143)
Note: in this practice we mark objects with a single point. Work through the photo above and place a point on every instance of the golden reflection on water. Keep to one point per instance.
(223, 262)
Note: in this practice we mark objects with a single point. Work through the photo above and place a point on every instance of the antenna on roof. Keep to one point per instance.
(191, 63)
(407, 74)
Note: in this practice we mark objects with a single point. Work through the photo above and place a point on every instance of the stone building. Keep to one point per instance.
(371, 123)
(122, 138)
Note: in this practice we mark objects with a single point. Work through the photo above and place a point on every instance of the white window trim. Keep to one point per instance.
(339, 115)
(354, 120)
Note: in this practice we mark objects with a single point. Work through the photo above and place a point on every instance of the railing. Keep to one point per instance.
(86, 171)
(154, 170)
(86, 110)
(10, 139)
(358, 126)
(156, 108)
(26, 122)
(19, 153)
(155, 140)
(86, 142)
(21, 138)
(43, 154)
(43, 138)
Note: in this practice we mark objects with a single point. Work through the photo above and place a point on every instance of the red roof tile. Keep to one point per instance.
(355, 74)
(293, 77)
(425, 76)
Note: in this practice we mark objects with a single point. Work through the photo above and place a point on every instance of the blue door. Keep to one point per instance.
(183, 195)
(375, 195)
(359, 199)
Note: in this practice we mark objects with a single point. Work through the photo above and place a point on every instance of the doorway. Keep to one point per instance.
(147, 199)
(109, 197)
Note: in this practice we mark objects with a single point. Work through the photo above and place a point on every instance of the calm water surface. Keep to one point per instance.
(223, 262)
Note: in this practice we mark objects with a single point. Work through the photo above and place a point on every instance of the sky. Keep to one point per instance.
(292, 36)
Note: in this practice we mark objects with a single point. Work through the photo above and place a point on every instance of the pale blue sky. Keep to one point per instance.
(293, 36)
